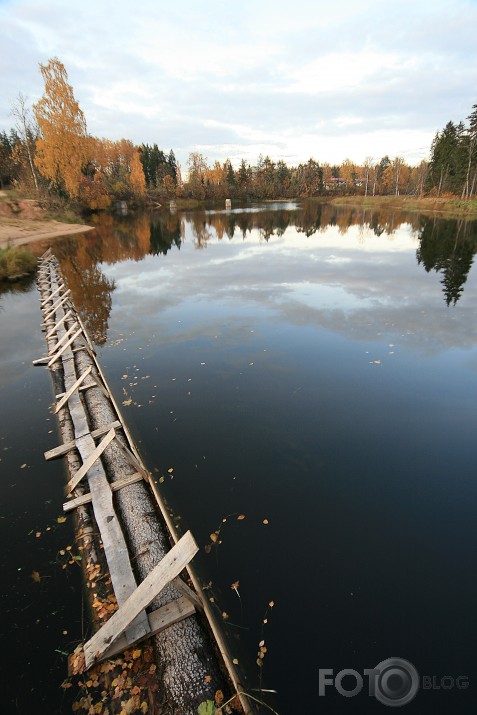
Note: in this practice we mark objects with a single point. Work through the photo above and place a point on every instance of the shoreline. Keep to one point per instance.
(452, 207)
(21, 232)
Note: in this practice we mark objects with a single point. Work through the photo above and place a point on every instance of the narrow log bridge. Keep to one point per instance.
(121, 519)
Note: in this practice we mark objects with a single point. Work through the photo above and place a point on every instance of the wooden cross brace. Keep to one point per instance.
(103, 643)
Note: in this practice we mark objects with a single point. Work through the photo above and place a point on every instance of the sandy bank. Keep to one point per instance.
(21, 231)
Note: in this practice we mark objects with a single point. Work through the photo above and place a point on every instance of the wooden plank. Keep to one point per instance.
(65, 347)
(115, 486)
(188, 593)
(159, 620)
(63, 449)
(208, 612)
(132, 459)
(95, 454)
(63, 338)
(57, 305)
(167, 569)
(58, 324)
(52, 295)
(41, 361)
(83, 388)
(101, 387)
(73, 387)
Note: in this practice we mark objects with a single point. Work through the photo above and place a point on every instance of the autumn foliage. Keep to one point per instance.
(61, 146)
(74, 163)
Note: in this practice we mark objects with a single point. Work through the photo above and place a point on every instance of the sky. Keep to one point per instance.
(292, 80)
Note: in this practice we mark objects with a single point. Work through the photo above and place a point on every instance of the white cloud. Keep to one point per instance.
(330, 81)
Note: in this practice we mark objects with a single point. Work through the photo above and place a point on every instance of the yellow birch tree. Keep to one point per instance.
(61, 150)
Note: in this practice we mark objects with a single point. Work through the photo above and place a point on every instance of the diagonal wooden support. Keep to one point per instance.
(188, 593)
(115, 486)
(65, 347)
(132, 459)
(65, 336)
(57, 305)
(73, 387)
(100, 385)
(58, 324)
(95, 454)
(166, 570)
(66, 447)
(52, 295)
(159, 620)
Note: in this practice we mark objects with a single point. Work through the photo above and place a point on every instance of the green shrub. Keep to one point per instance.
(16, 262)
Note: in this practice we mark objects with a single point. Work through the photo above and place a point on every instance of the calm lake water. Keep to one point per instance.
(311, 370)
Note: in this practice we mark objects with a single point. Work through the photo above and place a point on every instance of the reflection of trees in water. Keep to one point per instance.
(166, 231)
(90, 289)
(448, 246)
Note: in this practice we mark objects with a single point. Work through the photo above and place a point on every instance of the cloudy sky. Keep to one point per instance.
(329, 80)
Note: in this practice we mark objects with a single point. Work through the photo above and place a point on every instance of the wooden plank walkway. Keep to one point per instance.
(130, 624)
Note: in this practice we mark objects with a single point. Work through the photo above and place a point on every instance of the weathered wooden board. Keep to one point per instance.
(171, 565)
(58, 324)
(115, 548)
(57, 305)
(136, 463)
(63, 339)
(159, 620)
(188, 593)
(65, 346)
(73, 387)
(115, 486)
(63, 449)
(52, 295)
(95, 454)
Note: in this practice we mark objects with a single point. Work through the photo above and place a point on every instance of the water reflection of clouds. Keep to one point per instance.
(356, 284)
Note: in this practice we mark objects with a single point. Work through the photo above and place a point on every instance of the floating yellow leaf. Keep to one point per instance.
(271, 604)
(242, 516)
(36, 576)
(61, 519)
(170, 470)
(235, 661)
(213, 537)
(265, 521)
(235, 585)
(38, 534)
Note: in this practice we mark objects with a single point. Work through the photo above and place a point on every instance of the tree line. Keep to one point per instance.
(453, 162)
(49, 151)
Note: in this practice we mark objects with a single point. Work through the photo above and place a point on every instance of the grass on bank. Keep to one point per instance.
(16, 263)
(448, 205)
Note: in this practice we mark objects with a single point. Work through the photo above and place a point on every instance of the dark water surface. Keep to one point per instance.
(311, 370)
